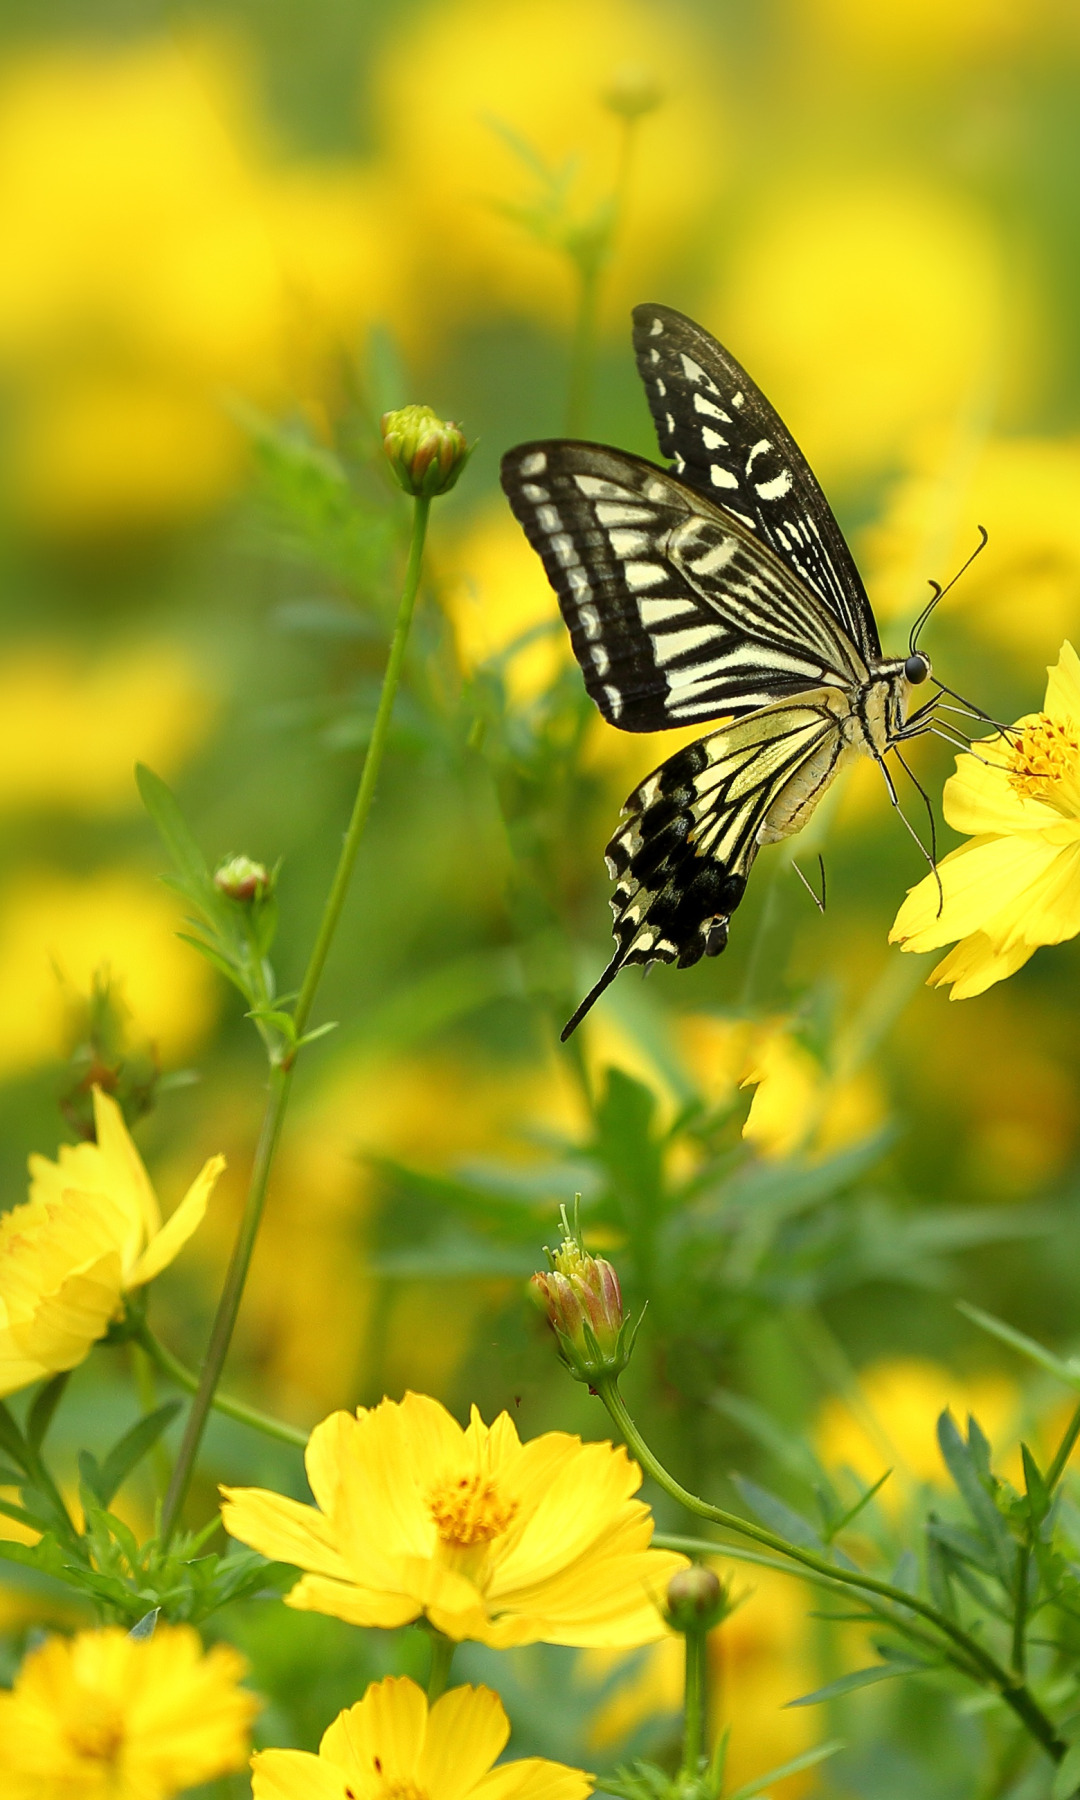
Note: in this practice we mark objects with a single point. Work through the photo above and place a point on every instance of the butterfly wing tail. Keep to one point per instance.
(593, 995)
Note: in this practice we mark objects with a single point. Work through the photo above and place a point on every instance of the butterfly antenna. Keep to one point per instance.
(592, 996)
(909, 827)
(940, 592)
(820, 904)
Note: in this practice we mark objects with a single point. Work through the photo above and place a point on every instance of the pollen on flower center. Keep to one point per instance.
(469, 1510)
(1046, 751)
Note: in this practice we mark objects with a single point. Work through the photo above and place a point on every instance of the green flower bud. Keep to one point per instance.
(632, 92)
(426, 453)
(696, 1599)
(583, 1301)
(241, 879)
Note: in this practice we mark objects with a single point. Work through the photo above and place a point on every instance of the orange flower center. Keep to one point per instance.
(1046, 752)
(469, 1510)
(98, 1732)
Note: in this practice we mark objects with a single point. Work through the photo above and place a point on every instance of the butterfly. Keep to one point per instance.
(721, 589)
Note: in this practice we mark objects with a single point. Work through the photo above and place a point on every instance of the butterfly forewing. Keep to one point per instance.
(727, 441)
(676, 610)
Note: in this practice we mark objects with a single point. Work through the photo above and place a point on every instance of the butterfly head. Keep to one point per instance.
(917, 668)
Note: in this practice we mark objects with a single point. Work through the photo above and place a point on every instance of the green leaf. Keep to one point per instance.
(862, 1678)
(1067, 1775)
(23, 1516)
(1038, 1493)
(46, 1401)
(161, 804)
(1068, 1372)
(797, 1763)
(11, 1438)
(129, 1450)
(967, 1463)
(777, 1515)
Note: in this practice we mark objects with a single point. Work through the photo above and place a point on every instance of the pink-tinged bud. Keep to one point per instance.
(584, 1305)
(426, 453)
(242, 879)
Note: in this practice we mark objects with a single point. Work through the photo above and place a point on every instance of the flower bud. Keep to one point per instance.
(583, 1301)
(239, 878)
(632, 92)
(696, 1599)
(426, 453)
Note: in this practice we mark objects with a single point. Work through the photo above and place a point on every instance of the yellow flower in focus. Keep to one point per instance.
(57, 929)
(488, 1538)
(90, 1233)
(540, 69)
(104, 1716)
(1016, 885)
(830, 307)
(1025, 588)
(895, 1424)
(156, 259)
(71, 736)
(798, 1105)
(496, 596)
(392, 1746)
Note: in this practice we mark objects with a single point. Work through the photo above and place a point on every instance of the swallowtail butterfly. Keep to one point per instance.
(721, 589)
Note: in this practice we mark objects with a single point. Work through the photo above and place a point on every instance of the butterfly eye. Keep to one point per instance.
(917, 668)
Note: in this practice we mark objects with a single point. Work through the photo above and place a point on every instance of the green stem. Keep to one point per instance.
(1014, 1693)
(281, 1073)
(184, 1377)
(695, 1700)
(1019, 1631)
(442, 1657)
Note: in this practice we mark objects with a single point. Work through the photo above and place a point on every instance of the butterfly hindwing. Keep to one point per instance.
(727, 441)
(676, 611)
(690, 831)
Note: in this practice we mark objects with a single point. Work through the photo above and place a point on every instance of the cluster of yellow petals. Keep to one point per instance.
(90, 1233)
(105, 1716)
(1016, 885)
(390, 1746)
(489, 1538)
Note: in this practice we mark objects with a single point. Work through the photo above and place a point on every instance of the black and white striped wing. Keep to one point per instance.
(690, 831)
(728, 442)
(676, 610)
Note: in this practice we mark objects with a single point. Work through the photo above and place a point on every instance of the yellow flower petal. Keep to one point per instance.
(976, 964)
(295, 1775)
(384, 1731)
(467, 1729)
(355, 1604)
(977, 880)
(283, 1529)
(533, 1779)
(980, 799)
(186, 1220)
(1063, 686)
(123, 1173)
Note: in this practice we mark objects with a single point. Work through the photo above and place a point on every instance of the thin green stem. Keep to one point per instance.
(695, 1702)
(184, 1377)
(1020, 1613)
(442, 1658)
(281, 1072)
(369, 775)
(979, 1661)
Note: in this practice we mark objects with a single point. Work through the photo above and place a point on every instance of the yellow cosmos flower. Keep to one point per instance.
(492, 1539)
(389, 1746)
(104, 1716)
(90, 1233)
(1016, 885)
